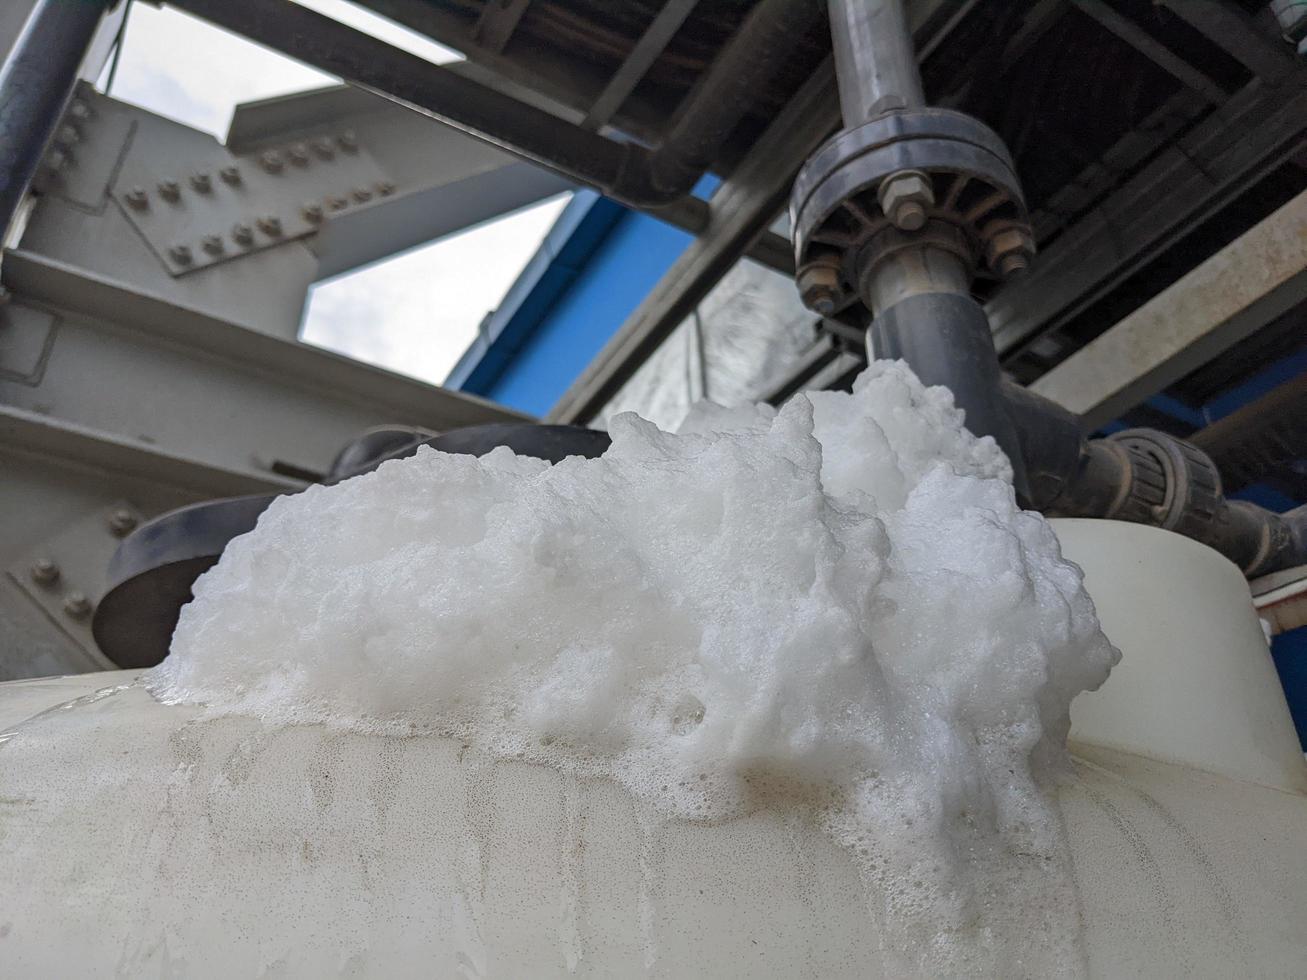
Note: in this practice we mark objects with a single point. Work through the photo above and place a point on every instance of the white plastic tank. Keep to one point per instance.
(140, 840)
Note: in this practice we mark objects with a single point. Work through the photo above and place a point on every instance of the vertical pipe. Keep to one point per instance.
(36, 81)
(875, 59)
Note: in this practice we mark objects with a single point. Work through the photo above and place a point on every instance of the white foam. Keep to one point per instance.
(837, 605)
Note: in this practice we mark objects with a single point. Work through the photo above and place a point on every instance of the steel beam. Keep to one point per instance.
(1266, 56)
(1239, 142)
(740, 211)
(1244, 286)
(646, 51)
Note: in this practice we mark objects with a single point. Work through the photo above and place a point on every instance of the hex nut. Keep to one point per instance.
(181, 254)
(77, 605)
(230, 175)
(324, 148)
(270, 225)
(299, 155)
(905, 198)
(170, 190)
(122, 522)
(336, 202)
(212, 244)
(1009, 250)
(385, 188)
(55, 161)
(348, 141)
(272, 162)
(67, 136)
(44, 571)
(312, 212)
(819, 286)
(202, 182)
(361, 194)
(79, 111)
(242, 234)
(138, 198)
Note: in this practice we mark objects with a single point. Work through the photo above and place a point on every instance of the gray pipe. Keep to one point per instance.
(875, 59)
(36, 82)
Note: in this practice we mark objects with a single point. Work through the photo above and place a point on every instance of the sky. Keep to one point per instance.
(414, 313)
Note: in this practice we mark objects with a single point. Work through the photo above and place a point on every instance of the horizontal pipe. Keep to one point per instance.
(623, 171)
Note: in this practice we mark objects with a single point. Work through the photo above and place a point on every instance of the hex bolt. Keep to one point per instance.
(336, 202)
(905, 198)
(361, 194)
(77, 605)
(299, 154)
(181, 254)
(212, 244)
(1009, 248)
(347, 141)
(819, 285)
(122, 522)
(202, 182)
(138, 199)
(271, 162)
(66, 136)
(170, 190)
(242, 234)
(44, 571)
(312, 212)
(385, 188)
(230, 175)
(324, 148)
(270, 225)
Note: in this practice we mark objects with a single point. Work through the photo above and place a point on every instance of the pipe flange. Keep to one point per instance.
(966, 179)
(1190, 484)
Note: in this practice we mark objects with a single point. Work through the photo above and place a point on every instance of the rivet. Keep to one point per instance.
(336, 202)
(385, 188)
(138, 199)
(361, 194)
(230, 175)
(181, 254)
(271, 162)
(212, 244)
(202, 182)
(77, 605)
(312, 212)
(270, 225)
(122, 522)
(44, 571)
(323, 147)
(299, 154)
(242, 234)
(170, 190)
(347, 141)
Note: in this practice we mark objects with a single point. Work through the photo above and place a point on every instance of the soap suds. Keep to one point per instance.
(837, 605)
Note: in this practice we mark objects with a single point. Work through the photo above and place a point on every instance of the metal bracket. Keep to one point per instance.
(66, 574)
(86, 151)
(217, 206)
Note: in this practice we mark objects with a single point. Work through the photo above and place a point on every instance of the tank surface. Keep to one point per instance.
(307, 851)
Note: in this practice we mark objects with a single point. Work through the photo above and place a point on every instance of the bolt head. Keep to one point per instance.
(212, 244)
(170, 190)
(202, 182)
(312, 212)
(55, 161)
(299, 154)
(336, 202)
(905, 199)
(242, 234)
(385, 188)
(122, 522)
(361, 194)
(348, 141)
(181, 254)
(77, 605)
(44, 571)
(230, 175)
(324, 148)
(138, 198)
(272, 162)
(66, 136)
(79, 111)
(270, 225)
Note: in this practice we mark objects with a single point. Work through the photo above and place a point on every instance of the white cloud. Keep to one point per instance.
(414, 313)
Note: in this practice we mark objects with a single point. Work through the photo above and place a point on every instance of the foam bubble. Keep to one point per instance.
(837, 605)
